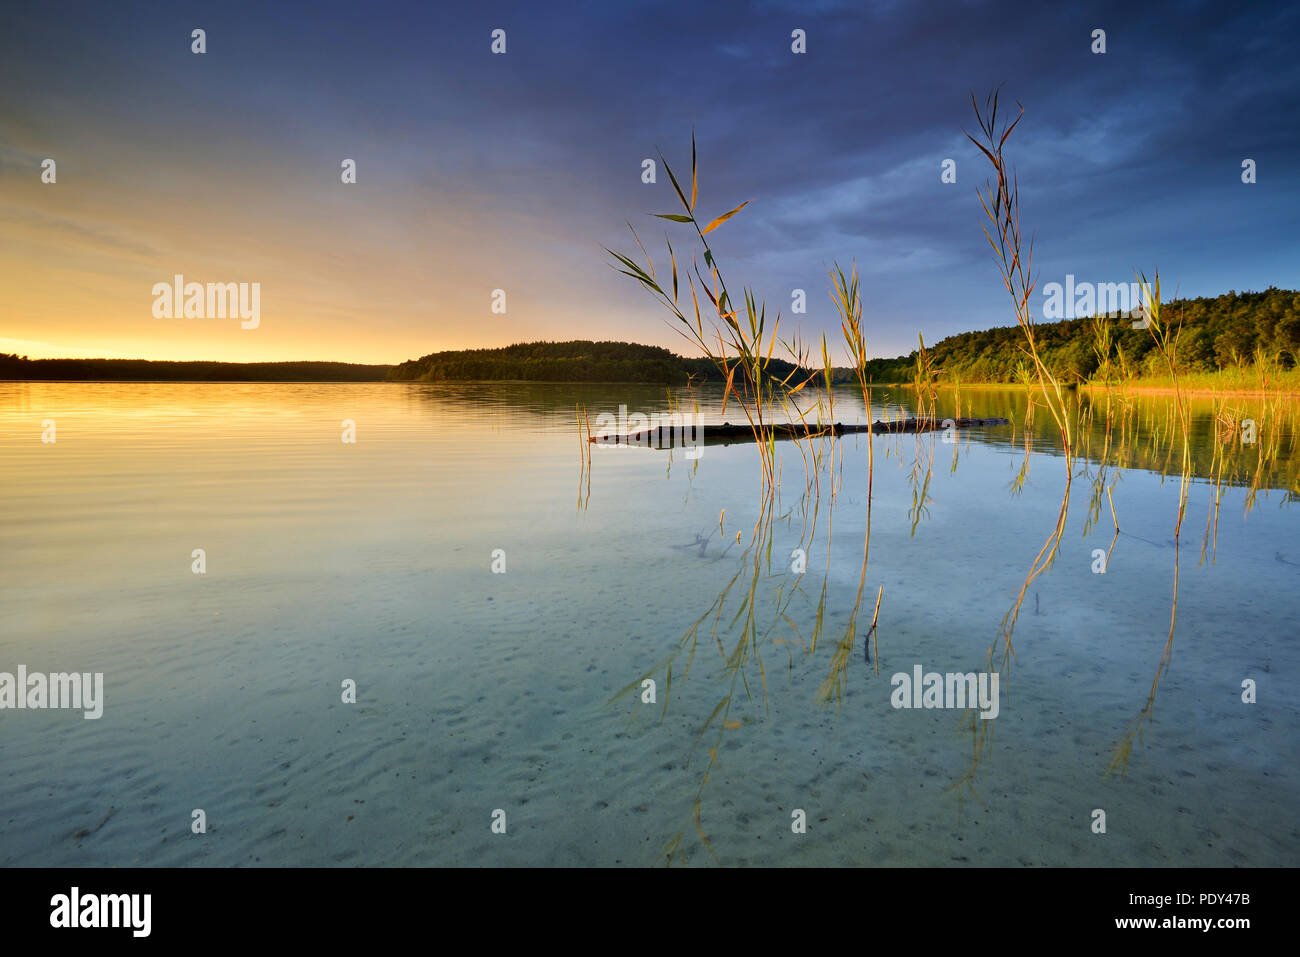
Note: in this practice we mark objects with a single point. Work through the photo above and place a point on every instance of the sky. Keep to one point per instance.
(479, 171)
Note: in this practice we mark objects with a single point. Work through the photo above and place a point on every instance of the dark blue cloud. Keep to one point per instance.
(1127, 160)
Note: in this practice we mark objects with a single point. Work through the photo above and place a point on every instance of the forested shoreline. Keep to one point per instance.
(1235, 331)
(1253, 335)
(146, 370)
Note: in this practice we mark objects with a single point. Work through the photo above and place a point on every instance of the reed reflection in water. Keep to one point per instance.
(476, 691)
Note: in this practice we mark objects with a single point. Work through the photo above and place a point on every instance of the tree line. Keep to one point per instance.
(146, 370)
(576, 360)
(1234, 330)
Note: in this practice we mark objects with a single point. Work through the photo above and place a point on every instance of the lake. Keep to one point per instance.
(498, 593)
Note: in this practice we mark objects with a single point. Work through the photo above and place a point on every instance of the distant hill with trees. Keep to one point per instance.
(577, 360)
(1235, 330)
(1238, 330)
(146, 370)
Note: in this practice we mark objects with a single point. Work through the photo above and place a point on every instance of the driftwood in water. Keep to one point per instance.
(676, 434)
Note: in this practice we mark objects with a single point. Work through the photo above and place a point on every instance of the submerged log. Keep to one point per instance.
(663, 436)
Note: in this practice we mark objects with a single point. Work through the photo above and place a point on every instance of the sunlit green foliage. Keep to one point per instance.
(1231, 332)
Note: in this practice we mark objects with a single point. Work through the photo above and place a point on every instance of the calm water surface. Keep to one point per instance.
(476, 691)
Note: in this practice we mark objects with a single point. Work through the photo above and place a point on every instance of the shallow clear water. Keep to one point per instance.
(479, 691)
